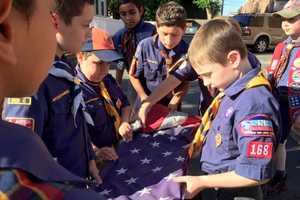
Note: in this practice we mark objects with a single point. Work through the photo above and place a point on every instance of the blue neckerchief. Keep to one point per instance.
(78, 98)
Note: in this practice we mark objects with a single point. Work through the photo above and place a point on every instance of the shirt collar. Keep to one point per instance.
(179, 49)
(240, 84)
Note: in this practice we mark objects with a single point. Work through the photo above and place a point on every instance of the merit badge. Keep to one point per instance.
(27, 122)
(19, 101)
(218, 139)
(296, 76)
(297, 63)
(119, 103)
(260, 150)
(257, 125)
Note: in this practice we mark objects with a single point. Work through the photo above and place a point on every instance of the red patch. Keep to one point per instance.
(260, 150)
(27, 122)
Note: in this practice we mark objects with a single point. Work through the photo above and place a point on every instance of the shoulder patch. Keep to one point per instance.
(257, 125)
(26, 122)
(260, 150)
(19, 101)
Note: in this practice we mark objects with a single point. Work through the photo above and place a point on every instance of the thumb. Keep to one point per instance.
(180, 179)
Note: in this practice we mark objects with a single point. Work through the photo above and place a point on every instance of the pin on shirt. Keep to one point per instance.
(218, 139)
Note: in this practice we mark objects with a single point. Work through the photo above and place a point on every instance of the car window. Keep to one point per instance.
(275, 22)
(191, 27)
(257, 21)
(243, 20)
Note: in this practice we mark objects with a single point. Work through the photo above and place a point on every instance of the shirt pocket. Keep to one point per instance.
(151, 71)
(223, 137)
(98, 113)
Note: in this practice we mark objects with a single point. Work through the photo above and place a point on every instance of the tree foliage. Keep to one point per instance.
(213, 7)
(150, 8)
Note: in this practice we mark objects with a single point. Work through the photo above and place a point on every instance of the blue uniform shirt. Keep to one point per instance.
(49, 114)
(151, 69)
(142, 31)
(103, 133)
(242, 135)
(23, 151)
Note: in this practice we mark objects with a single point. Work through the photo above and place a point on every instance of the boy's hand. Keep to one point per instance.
(107, 153)
(193, 185)
(143, 111)
(94, 172)
(125, 131)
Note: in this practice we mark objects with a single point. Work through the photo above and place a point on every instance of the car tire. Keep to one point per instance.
(261, 44)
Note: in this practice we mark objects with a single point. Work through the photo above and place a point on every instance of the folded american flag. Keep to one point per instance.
(146, 165)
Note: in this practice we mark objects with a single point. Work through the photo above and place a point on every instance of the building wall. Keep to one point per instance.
(101, 7)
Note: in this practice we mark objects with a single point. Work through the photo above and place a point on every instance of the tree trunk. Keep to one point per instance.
(210, 13)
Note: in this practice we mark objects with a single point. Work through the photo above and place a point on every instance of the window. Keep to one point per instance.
(257, 21)
(275, 22)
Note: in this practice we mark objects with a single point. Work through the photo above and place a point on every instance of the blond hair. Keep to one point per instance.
(213, 41)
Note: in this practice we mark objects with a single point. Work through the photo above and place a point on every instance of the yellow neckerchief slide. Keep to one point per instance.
(209, 115)
(110, 107)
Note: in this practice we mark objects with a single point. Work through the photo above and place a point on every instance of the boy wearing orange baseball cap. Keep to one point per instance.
(105, 101)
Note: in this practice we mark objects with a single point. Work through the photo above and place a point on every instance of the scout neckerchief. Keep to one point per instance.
(172, 65)
(128, 45)
(294, 82)
(78, 98)
(110, 107)
(209, 115)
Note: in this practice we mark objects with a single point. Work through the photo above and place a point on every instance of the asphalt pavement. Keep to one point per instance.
(190, 105)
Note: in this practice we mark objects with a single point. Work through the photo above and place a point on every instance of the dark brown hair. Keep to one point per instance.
(214, 40)
(171, 14)
(67, 9)
(26, 7)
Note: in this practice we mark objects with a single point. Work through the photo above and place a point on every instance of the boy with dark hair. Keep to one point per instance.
(27, 170)
(57, 111)
(238, 131)
(126, 40)
(155, 56)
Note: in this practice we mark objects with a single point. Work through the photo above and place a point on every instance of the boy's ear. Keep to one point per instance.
(79, 57)
(55, 19)
(234, 58)
(7, 54)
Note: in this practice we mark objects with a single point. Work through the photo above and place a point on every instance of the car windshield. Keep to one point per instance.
(244, 20)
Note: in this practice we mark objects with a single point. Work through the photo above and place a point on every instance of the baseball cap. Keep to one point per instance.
(101, 44)
(291, 9)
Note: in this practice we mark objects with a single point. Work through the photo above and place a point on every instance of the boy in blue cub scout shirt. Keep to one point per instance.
(155, 56)
(57, 111)
(135, 30)
(185, 72)
(105, 101)
(238, 130)
(27, 169)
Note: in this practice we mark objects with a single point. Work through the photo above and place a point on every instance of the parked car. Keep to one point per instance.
(191, 28)
(260, 31)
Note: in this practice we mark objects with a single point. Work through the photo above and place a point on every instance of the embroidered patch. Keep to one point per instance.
(297, 62)
(274, 64)
(260, 150)
(119, 103)
(294, 101)
(296, 76)
(27, 122)
(19, 101)
(218, 139)
(257, 125)
(152, 61)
